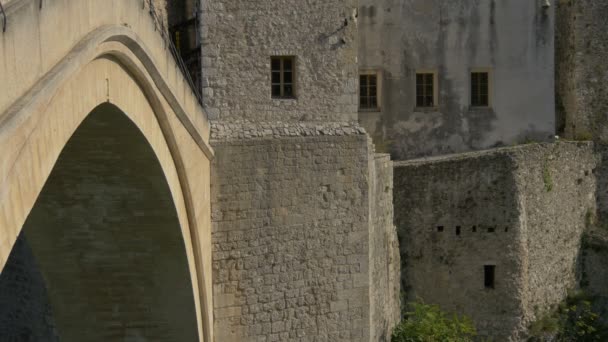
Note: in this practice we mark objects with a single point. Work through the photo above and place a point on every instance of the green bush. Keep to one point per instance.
(573, 320)
(427, 323)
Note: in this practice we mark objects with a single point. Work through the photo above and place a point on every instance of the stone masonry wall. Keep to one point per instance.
(384, 261)
(520, 209)
(581, 69)
(238, 39)
(556, 191)
(291, 235)
(454, 215)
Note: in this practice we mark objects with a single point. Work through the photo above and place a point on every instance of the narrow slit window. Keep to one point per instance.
(457, 230)
(480, 89)
(425, 90)
(282, 78)
(368, 92)
(489, 273)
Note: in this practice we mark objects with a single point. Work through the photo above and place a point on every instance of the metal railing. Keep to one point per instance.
(159, 25)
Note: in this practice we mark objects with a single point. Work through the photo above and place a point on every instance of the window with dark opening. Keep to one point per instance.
(440, 229)
(488, 278)
(479, 89)
(474, 229)
(283, 69)
(368, 92)
(491, 230)
(425, 90)
(457, 230)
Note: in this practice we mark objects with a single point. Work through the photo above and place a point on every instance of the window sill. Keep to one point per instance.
(370, 110)
(480, 108)
(292, 98)
(426, 109)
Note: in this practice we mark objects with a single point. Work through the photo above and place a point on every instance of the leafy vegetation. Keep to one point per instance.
(573, 320)
(427, 323)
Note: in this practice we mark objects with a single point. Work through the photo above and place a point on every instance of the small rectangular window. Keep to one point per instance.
(368, 92)
(425, 89)
(282, 78)
(489, 273)
(480, 94)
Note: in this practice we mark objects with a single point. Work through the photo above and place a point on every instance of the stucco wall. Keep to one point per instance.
(510, 206)
(514, 39)
(239, 37)
(582, 71)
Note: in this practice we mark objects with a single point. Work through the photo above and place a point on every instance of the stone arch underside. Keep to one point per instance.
(113, 55)
(102, 248)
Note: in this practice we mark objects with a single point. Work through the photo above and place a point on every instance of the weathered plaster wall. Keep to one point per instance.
(292, 237)
(239, 37)
(503, 207)
(512, 38)
(581, 70)
(384, 259)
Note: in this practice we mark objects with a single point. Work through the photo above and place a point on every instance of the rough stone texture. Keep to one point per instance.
(293, 251)
(244, 129)
(553, 221)
(239, 37)
(514, 39)
(384, 259)
(505, 208)
(25, 310)
(581, 70)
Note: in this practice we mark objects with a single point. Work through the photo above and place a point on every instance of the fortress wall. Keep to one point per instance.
(384, 261)
(556, 191)
(291, 233)
(455, 215)
(522, 209)
(239, 38)
(581, 69)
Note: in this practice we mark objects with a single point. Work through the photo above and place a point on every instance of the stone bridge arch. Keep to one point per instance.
(59, 60)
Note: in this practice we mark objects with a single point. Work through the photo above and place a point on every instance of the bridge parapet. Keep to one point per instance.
(39, 35)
